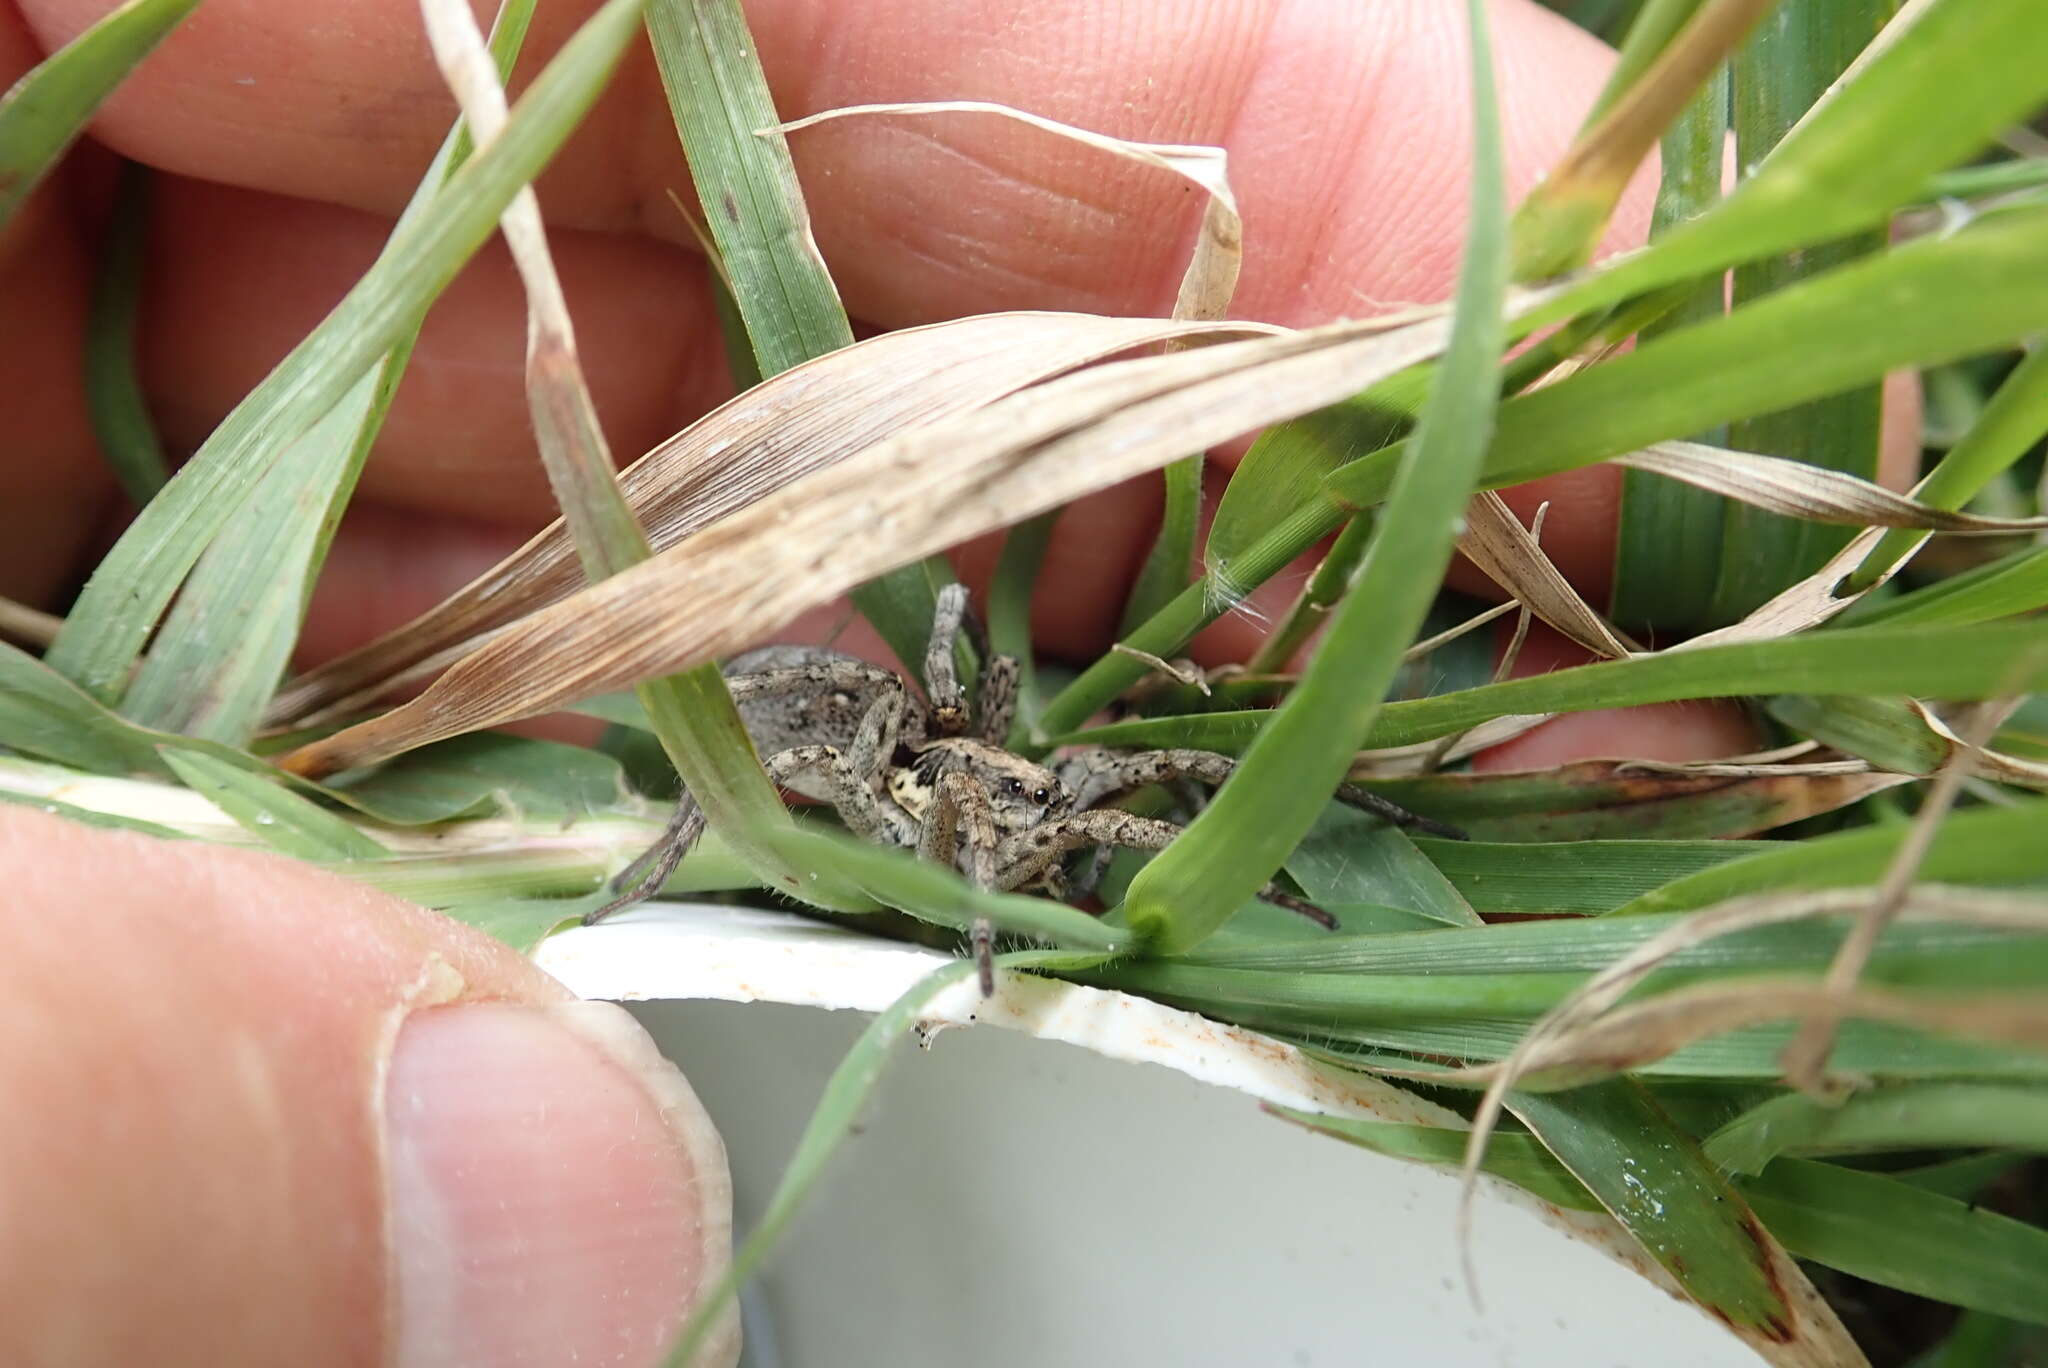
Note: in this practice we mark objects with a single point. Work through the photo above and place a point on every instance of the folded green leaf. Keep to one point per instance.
(131, 587)
(1954, 663)
(1257, 819)
(1915, 1116)
(1653, 1179)
(265, 808)
(1892, 1233)
(45, 111)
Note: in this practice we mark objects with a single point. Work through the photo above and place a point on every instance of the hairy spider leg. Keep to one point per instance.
(960, 811)
(1098, 775)
(644, 878)
(941, 676)
(854, 777)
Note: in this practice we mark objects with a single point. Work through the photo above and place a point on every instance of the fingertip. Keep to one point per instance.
(557, 1193)
(1673, 733)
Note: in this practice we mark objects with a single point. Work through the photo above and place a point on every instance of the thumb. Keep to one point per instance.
(257, 1114)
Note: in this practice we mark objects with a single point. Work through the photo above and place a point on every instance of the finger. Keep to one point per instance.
(52, 483)
(1671, 732)
(1347, 126)
(261, 1114)
(237, 279)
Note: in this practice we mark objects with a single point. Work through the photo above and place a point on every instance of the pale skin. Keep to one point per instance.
(288, 133)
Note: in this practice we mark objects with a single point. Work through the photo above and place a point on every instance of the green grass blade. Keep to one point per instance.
(1652, 1178)
(1979, 1340)
(1595, 800)
(1350, 856)
(1669, 57)
(1956, 954)
(1888, 1232)
(283, 820)
(1572, 878)
(228, 639)
(2013, 584)
(1520, 1159)
(1949, 662)
(85, 816)
(130, 589)
(1981, 846)
(1654, 25)
(837, 1113)
(1930, 301)
(2009, 427)
(1268, 805)
(935, 894)
(1867, 1049)
(755, 211)
(1669, 537)
(1008, 611)
(42, 713)
(1334, 1002)
(1167, 565)
(1917, 1116)
(1864, 151)
(45, 111)
(1786, 66)
(113, 391)
(1885, 731)
(523, 923)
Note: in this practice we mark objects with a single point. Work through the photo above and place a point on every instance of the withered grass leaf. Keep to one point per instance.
(802, 420)
(903, 498)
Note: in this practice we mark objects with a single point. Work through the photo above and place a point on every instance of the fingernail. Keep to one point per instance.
(556, 1193)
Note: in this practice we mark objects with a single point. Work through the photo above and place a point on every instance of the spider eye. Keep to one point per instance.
(1013, 786)
(1040, 796)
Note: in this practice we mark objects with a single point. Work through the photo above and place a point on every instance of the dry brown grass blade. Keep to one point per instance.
(792, 424)
(1211, 276)
(1805, 1059)
(904, 498)
(1509, 555)
(1983, 762)
(1811, 492)
(1586, 1007)
(1634, 1036)
(24, 623)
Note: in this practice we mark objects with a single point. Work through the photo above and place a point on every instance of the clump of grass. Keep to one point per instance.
(1888, 928)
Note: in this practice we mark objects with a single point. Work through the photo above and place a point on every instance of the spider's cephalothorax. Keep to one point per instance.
(933, 775)
(1021, 795)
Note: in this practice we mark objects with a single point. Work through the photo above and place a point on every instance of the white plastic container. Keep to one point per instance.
(1017, 1201)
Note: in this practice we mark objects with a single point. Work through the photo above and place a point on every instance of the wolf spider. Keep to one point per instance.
(933, 775)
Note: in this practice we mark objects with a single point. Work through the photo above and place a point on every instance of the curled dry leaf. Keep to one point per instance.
(1211, 276)
(800, 421)
(901, 499)
(1509, 555)
(1984, 762)
(1814, 493)
(1643, 1033)
(1585, 1007)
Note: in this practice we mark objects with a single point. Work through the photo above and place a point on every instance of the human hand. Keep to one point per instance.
(288, 135)
(226, 1139)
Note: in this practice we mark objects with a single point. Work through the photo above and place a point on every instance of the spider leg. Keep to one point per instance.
(643, 878)
(941, 680)
(1098, 775)
(1029, 852)
(854, 776)
(998, 701)
(960, 809)
(853, 779)
(1365, 800)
